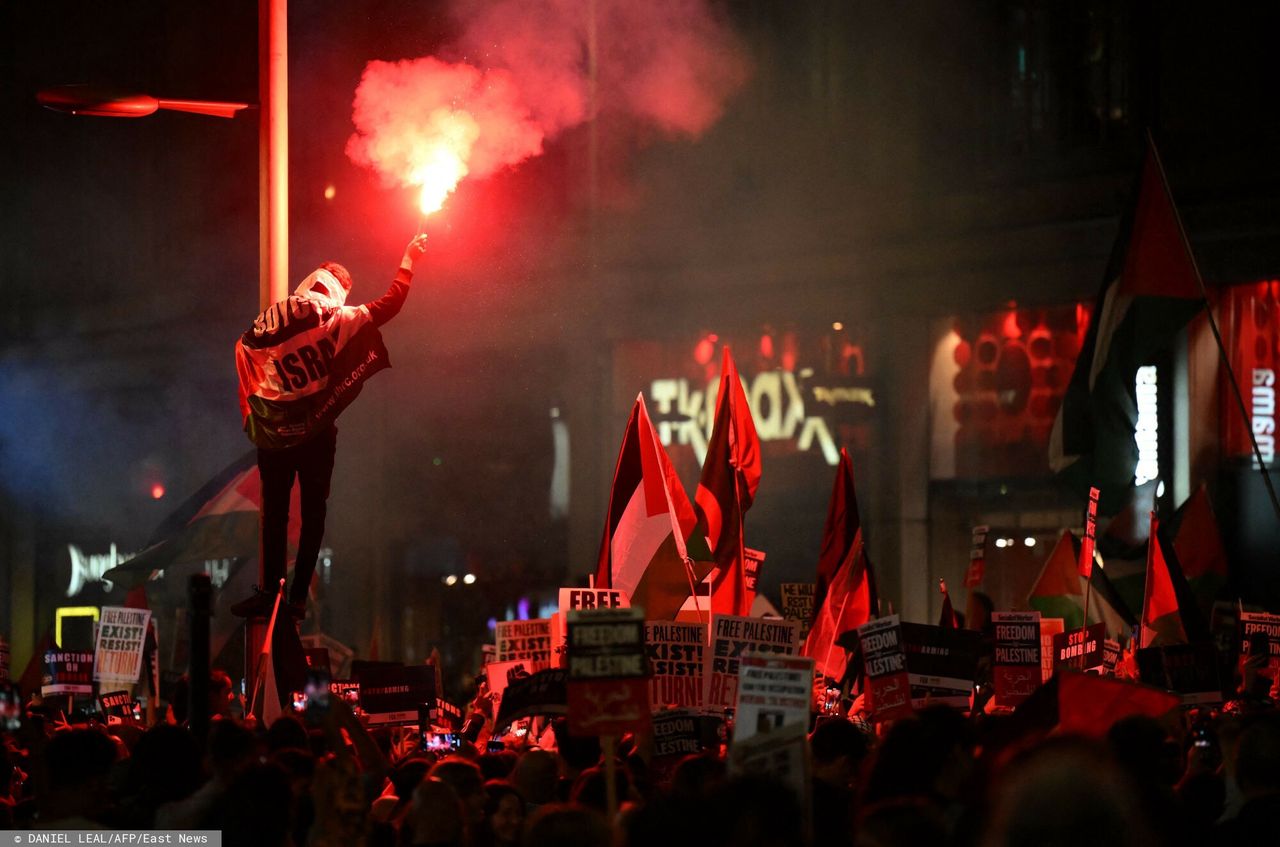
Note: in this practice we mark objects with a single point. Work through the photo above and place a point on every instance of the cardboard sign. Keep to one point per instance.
(589, 599)
(1049, 627)
(524, 641)
(391, 694)
(752, 564)
(118, 707)
(608, 690)
(317, 658)
(732, 637)
(1110, 656)
(941, 664)
(977, 557)
(1015, 671)
(675, 652)
(445, 715)
(1080, 649)
(1260, 631)
(67, 672)
(685, 732)
(797, 604)
(773, 692)
(122, 633)
(347, 690)
(542, 693)
(500, 675)
(888, 686)
(1191, 670)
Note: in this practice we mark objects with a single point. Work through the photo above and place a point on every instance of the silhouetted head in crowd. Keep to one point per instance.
(754, 811)
(928, 755)
(576, 752)
(1144, 748)
(591, 787)
(231, 749)
(77, 764)
(503, 815)
(165, 765)
(1258, 758)
(698, 776)
(258, 809)
(537, 776)
(1064, 793)
(567, 825)
(287, 732)
(901, 822)
(838, 748)
(465, 779)
(497, 765)
(435, 816)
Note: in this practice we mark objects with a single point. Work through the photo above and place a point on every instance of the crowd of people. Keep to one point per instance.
(939, 777)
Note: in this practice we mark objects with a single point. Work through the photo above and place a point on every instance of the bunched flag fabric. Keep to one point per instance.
(1150, 291)
(730, 477)
(1059, 591)
(1161, 621)
(845, 587)
(643, 551)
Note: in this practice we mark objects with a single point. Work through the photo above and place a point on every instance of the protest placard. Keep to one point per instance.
(391, 694)
(542, 693)
(580, 599)
(317, 658)
(752, 565)
(1190, 670)
(773, 691)
(608, 690)
(732, 637)
(1080, 649)
(1260, 633)
(524, 641)
(1049, 628)
(683, 732)
(347, 690)
(118, 707)
(797, 604)
(887, 684)
(122, 633)
(67, 672)
(675, 652)
(941, 663)
(1110, 656)
(1015, 671)
(500, 674)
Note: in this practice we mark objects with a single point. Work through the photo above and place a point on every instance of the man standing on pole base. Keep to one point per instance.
(301, 363)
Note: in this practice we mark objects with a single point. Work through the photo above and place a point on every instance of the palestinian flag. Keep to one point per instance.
(1151, 290)
(845, 589)
(1198, 545)
(1161, 616)
(1059, 592)
(220, 521)
(643, 551)
(730, 477)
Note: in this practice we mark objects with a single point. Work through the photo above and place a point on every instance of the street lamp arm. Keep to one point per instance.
(107, 103)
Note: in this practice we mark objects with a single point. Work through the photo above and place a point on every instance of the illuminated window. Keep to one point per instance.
(1147, 431)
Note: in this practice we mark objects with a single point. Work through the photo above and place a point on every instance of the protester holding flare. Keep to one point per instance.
(300, 364)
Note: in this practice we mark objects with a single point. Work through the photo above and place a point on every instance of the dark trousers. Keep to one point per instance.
(312, 464)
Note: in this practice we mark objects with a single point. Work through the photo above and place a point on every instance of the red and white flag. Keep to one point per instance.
(643, 550)
(1161, 615)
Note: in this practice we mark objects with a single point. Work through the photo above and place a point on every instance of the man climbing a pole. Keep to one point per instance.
(300, 364)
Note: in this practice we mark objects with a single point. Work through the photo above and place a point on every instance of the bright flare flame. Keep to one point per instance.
(442, 159)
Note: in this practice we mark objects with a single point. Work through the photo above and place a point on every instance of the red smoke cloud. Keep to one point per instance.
(526, 76)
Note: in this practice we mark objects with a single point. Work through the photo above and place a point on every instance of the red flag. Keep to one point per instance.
(643, 550)
(1090, 533)
(1198, 545)
(948, 617)
(1161, 617)
(845, 591)
(730, 477)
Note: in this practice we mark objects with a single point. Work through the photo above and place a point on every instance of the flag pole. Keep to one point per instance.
(266, 651)
(693, 592)
(1217, 336)
(835, 636)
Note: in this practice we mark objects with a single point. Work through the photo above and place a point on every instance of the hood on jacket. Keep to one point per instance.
(322, 286)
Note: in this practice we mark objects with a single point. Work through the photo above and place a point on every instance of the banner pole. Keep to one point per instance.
(609, 742)
(1217, 337)
(835, 636)
(265, 652)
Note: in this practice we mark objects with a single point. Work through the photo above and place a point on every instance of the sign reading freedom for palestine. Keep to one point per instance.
(608, 690)
(1016, 670)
